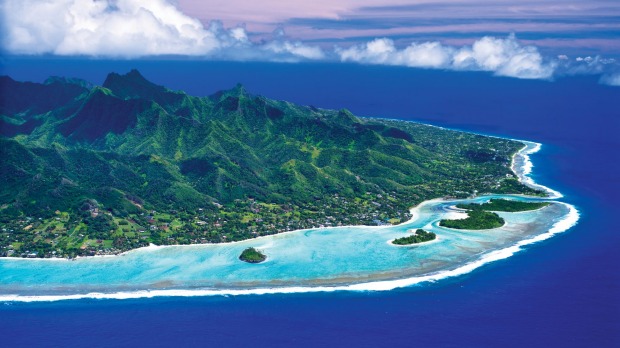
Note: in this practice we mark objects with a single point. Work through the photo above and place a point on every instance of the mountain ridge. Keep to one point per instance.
(131, 146)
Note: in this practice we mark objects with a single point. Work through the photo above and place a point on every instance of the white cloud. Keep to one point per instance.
(378, 51)
(114, 28)
(426, 55)
(136, 28)
(611, 79)
(297, 49)
(587, 65)
(383, 51)
(504, 57)
(129, 28)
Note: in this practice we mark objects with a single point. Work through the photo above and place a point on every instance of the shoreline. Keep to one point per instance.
(412, 211)
(513, 212)
(437, 239)
(564, 224)
(384, 285)
(527, 166)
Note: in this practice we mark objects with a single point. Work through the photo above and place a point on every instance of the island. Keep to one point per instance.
(419, 236)
(99, 170)
(496, 204)
(252, 255)
(476, 220)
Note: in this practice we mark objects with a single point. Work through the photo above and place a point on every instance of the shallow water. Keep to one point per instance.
(328, 256)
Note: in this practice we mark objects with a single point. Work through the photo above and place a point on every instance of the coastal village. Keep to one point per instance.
(98, 232)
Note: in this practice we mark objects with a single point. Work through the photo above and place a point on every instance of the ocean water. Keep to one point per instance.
(562, 291)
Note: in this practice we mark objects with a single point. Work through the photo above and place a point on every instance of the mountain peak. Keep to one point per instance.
(238, 90)
(134, 72)
(133, 85)
(135, 76)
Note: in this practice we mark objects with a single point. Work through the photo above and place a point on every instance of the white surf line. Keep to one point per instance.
(530, 148)
(570, 220)
(526, 168)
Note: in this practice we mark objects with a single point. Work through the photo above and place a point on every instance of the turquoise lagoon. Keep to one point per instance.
(317, 257)
(323, 259)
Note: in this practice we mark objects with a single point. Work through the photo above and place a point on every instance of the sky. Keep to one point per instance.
(521, 39)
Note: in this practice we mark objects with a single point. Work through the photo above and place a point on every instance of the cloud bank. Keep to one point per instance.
(139, 28)
(129, 28)
(503, 57)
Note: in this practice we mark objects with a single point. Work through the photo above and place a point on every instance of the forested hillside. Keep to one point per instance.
(102, 169)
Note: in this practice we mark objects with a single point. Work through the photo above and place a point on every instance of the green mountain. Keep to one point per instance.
(88, 169)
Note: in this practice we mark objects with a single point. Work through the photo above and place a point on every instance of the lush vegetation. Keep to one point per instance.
(92, 170)
(252, 255)
(496, 204)
(481, 216)
(419, 236)
(476, 220)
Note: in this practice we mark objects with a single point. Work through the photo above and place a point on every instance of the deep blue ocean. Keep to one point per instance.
(562, 292)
